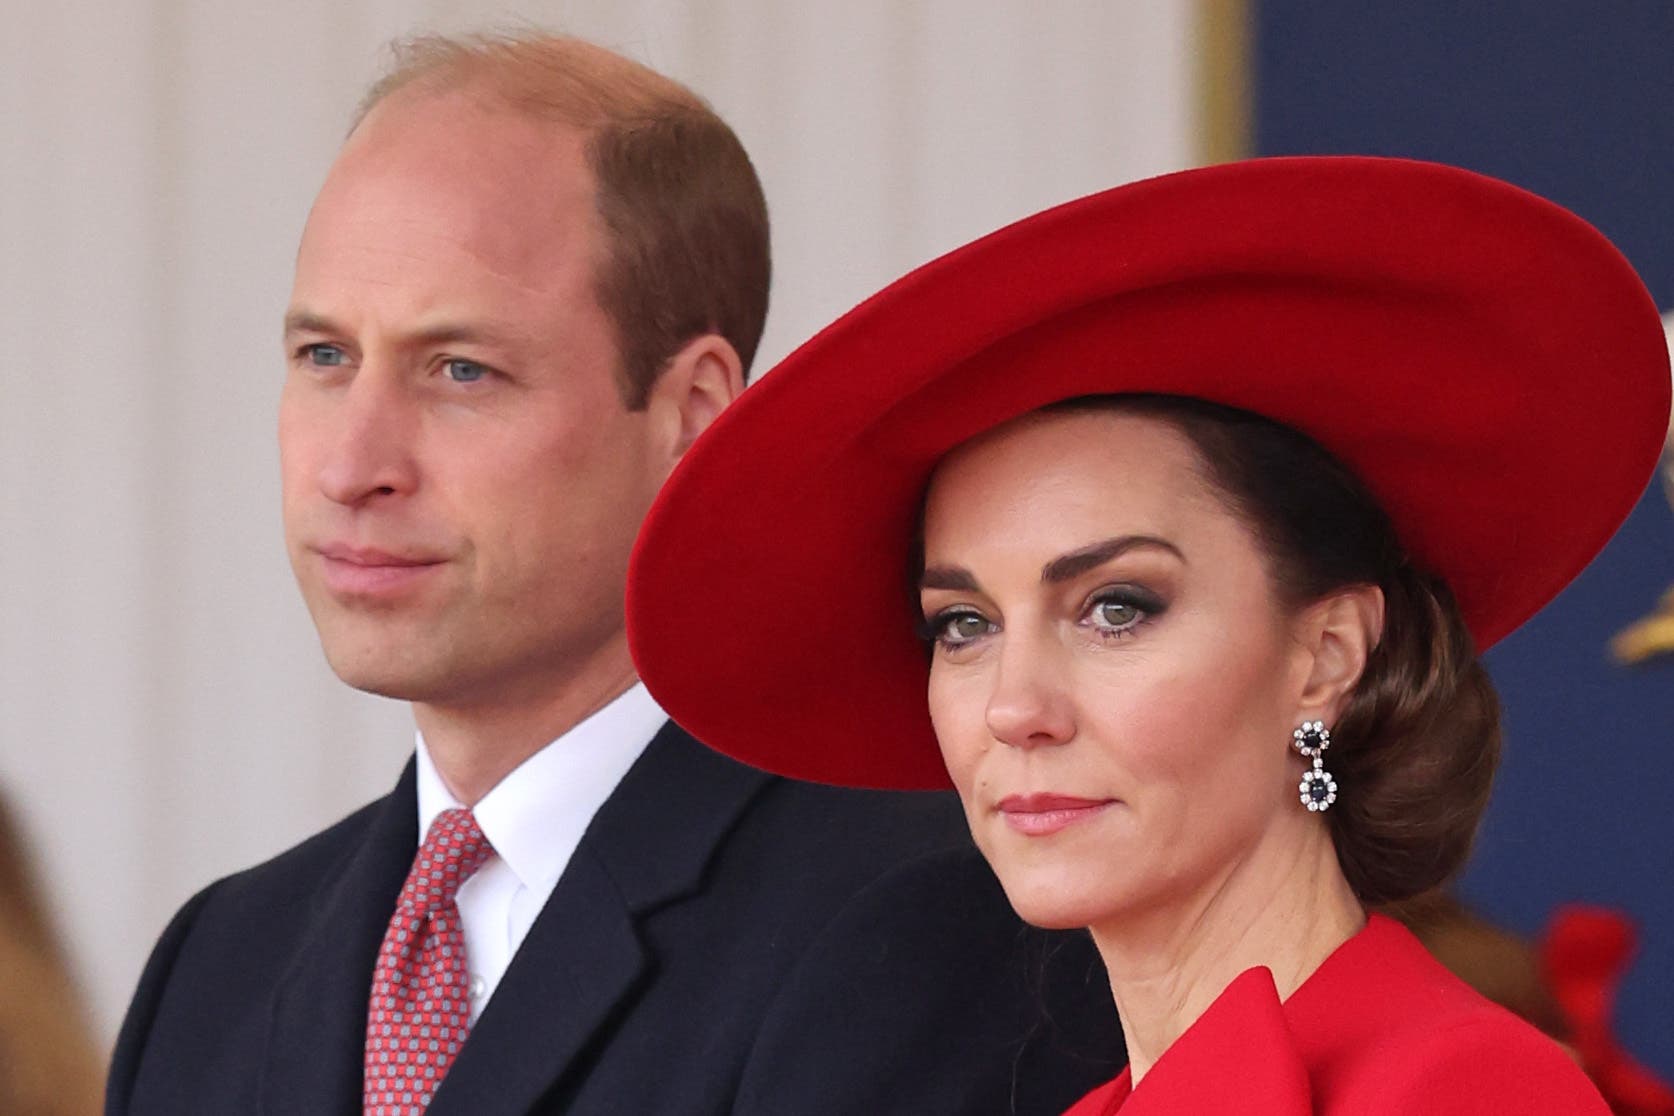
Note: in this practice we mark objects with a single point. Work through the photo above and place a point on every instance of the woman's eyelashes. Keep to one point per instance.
(1117, 611)
(1111, 612)
(955, 627)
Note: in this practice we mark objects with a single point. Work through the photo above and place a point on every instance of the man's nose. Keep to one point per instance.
(371, 450)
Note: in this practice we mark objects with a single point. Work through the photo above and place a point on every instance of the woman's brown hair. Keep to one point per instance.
(1415, 749)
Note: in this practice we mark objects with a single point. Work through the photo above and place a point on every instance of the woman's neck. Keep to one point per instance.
(1285, 906)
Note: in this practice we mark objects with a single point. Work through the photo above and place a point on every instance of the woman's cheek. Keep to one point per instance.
(957, 715)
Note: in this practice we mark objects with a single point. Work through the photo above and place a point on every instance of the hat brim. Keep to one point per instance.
(1484, 360)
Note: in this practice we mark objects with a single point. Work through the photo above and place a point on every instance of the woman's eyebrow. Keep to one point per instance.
(1077, 562)
(947, 577)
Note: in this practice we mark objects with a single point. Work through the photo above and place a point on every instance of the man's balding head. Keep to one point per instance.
(684, 222)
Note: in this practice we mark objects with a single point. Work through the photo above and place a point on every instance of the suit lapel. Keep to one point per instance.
(583, 959)
(543, 1015)
(318, 1027)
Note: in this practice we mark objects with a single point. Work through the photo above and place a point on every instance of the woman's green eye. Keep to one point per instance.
(1118, 611)
(1115, 614)
(963, 627)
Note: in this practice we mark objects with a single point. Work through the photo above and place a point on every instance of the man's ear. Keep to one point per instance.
(1341, 631)
(696, 385)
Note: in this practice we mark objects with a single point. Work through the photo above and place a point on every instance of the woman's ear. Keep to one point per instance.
(1341, 631)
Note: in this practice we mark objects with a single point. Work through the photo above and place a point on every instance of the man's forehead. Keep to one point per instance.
(414, 187)
(432, 123)
(466, 150)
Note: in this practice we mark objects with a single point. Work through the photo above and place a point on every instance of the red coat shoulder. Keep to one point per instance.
(1385, 1028)
(1381, 1029)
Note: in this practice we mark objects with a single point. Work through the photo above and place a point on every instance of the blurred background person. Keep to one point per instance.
(49, 1063)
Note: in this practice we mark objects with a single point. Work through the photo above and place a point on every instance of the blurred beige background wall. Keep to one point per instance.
(165, 716)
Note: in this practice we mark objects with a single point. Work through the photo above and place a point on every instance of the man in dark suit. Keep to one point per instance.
(536, 272)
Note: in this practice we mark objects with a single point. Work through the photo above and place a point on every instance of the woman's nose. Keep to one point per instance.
(1030, 704)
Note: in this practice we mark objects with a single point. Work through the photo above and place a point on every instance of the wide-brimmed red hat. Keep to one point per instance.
(1485, 361)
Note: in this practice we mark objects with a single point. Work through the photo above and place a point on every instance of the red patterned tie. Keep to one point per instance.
(420, 1009)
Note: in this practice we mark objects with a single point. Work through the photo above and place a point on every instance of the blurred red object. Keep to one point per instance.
(1586, 951)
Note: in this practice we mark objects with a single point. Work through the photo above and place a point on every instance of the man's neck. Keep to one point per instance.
(474, 746)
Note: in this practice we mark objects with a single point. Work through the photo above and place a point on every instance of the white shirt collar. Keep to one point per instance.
(536, 815)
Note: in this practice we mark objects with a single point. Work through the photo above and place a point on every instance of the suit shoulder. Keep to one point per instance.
(800, 853)
(204, 976)
(878, 827)
(929, 957)
(297, 871)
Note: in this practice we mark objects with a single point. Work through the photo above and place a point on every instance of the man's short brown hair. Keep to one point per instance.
(684, 217)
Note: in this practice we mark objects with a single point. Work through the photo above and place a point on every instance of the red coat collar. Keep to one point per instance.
(1240, 1048)
(1248, 1044)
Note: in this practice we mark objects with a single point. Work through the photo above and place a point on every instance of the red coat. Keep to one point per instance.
(1381, 1029)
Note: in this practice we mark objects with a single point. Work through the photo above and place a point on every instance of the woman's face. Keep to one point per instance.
(1114, 682)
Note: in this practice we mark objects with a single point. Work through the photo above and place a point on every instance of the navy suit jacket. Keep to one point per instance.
(722, 941)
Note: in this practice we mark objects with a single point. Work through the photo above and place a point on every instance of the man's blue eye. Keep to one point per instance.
(465, 371)
(327, 356)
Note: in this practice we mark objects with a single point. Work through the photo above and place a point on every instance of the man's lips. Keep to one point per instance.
(1039, 815)
(361, 571)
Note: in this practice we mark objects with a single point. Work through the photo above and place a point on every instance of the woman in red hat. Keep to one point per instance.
(1168, 525)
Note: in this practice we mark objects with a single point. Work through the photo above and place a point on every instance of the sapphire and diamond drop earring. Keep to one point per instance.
(1318, 789)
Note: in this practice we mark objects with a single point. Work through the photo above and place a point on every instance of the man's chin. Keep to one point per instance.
(385, 685)
(387, 673)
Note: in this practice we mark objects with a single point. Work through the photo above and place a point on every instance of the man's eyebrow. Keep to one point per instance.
(1077, 562)
(306, 321)
(947, 577)
(438, 333)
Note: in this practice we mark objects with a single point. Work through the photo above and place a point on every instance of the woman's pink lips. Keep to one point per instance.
(1039, 815)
